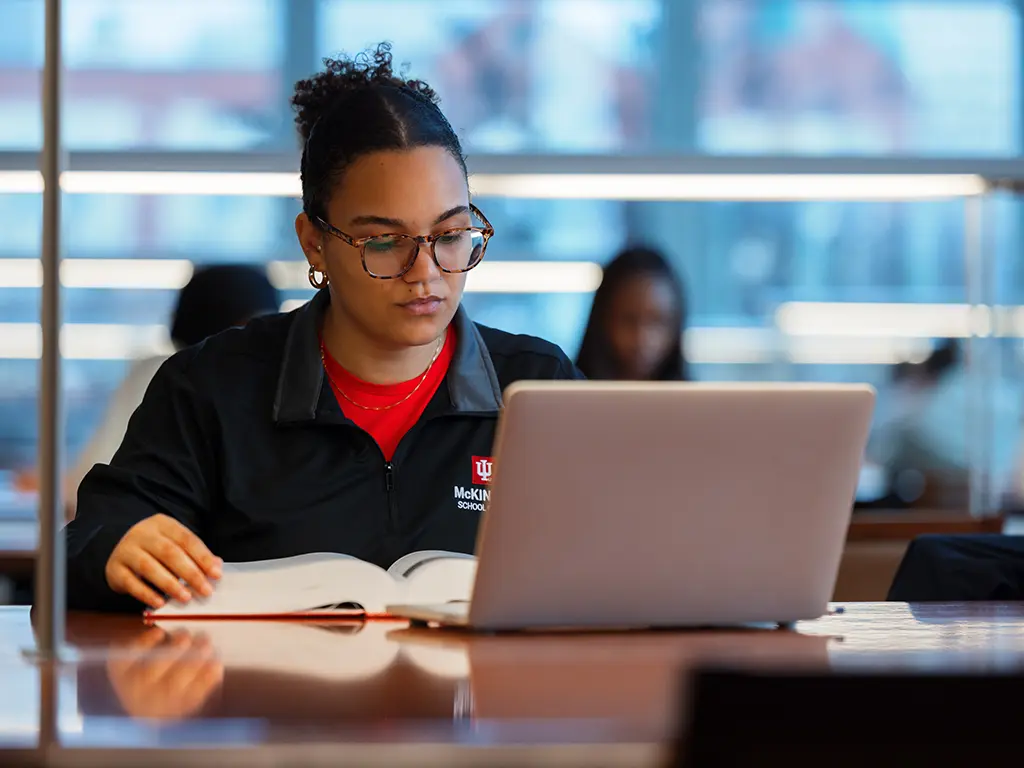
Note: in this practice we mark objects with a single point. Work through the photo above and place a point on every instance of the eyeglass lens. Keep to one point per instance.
(456, 251)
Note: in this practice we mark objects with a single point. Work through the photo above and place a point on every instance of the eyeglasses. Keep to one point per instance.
(386, 257)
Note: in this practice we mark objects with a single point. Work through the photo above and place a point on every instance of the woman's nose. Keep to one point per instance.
(424, 269)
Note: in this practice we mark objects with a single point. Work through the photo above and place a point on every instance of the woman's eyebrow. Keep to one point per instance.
(452, 212)
(370, 219)
(390, 222)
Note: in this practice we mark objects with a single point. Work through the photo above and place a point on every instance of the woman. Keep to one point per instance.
(217, 297)
(636, 322)
(342, 426)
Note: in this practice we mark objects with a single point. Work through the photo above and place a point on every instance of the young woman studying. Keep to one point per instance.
(342, 426)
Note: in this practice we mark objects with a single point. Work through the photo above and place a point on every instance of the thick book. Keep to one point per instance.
(330, 584)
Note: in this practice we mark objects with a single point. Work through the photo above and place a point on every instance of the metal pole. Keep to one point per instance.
(977, 422)
(49, 587)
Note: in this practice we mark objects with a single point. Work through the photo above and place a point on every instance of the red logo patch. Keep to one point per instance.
(482, 466)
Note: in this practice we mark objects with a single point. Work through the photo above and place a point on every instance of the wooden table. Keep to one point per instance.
(263, 693)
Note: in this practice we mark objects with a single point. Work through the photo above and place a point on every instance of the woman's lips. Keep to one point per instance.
(428, 305)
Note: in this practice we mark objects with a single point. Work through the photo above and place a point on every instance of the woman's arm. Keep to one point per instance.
(166, 465)
(107, 436)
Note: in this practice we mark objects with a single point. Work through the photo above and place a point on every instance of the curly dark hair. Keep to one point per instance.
(359, 105)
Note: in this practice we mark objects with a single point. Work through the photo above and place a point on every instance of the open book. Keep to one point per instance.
(328, 583)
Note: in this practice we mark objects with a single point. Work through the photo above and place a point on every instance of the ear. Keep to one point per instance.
(311, 240)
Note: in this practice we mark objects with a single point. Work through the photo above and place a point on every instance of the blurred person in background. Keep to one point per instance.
(216, 298)
(917, 440)
(635, 329)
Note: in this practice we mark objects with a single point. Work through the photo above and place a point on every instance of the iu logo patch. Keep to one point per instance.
(482, 466)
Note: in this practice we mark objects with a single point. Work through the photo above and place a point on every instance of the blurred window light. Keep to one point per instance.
(124, 274)
(729, 187)
(870, 319)
(86, 341)
(767, 187)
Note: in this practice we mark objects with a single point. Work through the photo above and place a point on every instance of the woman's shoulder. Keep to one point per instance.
(257, 344)
(519, 356)
(504, 344)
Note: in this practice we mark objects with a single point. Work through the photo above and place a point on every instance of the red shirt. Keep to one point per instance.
(388, 427)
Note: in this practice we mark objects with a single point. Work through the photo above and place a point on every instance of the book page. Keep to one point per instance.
(405, 565)
(441, 580)
(290, 585)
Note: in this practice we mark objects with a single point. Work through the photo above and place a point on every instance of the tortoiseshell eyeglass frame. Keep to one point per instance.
(487, 231)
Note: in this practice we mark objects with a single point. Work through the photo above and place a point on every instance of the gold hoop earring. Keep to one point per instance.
(314, 281)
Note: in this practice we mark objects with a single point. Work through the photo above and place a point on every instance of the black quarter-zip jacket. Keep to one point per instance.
(242, 440)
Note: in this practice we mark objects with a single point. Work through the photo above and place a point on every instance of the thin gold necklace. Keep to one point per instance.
(423, 377)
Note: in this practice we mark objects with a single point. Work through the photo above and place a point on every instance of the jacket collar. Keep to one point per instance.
(303, 395)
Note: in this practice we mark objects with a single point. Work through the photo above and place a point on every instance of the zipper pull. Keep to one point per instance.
(389, 476)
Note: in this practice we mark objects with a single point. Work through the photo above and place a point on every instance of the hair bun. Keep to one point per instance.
(343, 77)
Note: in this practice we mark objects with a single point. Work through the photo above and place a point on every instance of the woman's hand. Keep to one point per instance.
(165, 677)
(161, 551)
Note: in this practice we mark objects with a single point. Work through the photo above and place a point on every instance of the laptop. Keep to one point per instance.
(633, 505)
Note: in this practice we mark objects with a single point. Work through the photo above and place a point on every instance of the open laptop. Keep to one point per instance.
(620, 504)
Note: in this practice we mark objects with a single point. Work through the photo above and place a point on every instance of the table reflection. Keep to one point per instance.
(285, 672)
(165, 675)
(322, 676)
(633, 682)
